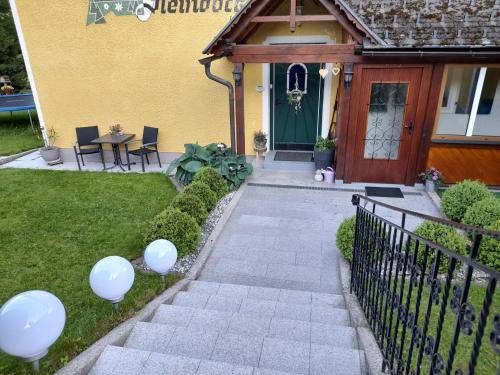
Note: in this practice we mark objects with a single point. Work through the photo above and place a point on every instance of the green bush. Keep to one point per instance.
(489, 251)
(442, 235)
(483, 213)
(202, 191)
(345, 237)
(457, 199)
(177, 227)
(192, 205)
(213, 179)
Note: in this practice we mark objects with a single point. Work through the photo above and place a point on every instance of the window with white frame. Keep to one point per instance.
(471, 102)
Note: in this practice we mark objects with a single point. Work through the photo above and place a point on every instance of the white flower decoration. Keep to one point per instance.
(119, 7)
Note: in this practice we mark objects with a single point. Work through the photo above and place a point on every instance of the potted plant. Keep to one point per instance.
(51, 153)
(8, 89)
(116, 129)
(324, 150)
(260, 140)
(431, 178)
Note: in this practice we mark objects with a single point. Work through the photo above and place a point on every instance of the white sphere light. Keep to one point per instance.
(160, 256)
(30, 323)
(111, 278)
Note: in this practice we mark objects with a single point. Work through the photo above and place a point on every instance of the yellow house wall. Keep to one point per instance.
(139, 73)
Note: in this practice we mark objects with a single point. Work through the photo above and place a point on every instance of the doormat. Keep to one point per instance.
(386, 192)
(293, 156)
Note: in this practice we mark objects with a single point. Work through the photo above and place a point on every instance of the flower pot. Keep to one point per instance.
(430, 186)
(50, 154)
(323, 159)
(260, 145)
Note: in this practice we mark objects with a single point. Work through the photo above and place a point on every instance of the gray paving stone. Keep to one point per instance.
(249, 325)
(150, 336)
(327, 360)
(263, 371)
(285, 355)
(223, 304)
(241, 267)
(291, 243)
(290, 330)
(192, 343)
(263, 293)
(332, 300)
(210, 319)
(309, 259)
(203, 287)
(267, 221)
(233, 291)
(237, 349)
(326, 314)
(219, 368)
(293, 311)
(163, 364)
(258, 308)
(116, 361)
(294, 273)
(195, 300)
(174, 315)
(334, 335)
(295, 296)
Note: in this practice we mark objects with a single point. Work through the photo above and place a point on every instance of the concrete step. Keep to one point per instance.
(267, 352)
(271, 164)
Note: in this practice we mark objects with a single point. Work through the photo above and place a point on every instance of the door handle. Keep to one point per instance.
(410, 127)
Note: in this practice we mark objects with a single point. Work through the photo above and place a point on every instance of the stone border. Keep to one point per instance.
(9, 158)
(436, 201)
(83, 362)
(366, 339)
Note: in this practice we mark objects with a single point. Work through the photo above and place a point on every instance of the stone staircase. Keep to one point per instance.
(217, 328)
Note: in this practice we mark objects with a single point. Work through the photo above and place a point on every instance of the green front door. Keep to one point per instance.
(296, 127)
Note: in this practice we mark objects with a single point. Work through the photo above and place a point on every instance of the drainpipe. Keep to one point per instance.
(207, 62)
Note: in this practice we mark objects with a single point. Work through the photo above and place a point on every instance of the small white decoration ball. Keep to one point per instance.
(160, 256)
(111, 278)
(30, 323)
(144, 13)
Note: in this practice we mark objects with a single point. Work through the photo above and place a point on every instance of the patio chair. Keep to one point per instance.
(83, 145)
(149, 146)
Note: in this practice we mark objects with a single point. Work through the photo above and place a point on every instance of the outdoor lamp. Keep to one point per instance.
(160, 256)
(30, 323)
(237, 76)
(348, 74)
(111, 278)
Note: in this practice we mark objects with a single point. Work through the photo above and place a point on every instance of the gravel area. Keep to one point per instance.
(184, 264)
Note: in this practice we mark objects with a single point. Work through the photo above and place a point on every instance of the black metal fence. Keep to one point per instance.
(432, 310)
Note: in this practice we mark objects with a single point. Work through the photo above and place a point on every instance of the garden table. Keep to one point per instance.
(115, 140)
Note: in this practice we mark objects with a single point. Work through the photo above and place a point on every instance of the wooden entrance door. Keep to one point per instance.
(296, 127)
(387, 127)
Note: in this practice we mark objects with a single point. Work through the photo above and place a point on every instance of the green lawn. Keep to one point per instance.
(15, 133)
(54, 226)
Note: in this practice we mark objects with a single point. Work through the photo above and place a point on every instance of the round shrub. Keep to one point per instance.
(345, 238)
(489, 250)
(457, 199)
(213, 179)
(483, 213)
(202, 191)
(442, 235)
(192, 205)
(177, 227)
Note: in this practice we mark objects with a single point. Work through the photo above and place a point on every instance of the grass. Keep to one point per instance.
(54, 226)
(15, 133)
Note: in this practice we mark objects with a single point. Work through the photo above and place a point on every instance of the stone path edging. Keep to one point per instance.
(9, 158)
(82, 363)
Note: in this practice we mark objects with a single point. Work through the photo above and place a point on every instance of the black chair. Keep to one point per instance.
(83, 145)
(149, 146)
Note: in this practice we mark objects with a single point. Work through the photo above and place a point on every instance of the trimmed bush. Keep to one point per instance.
(442, 235)
(192, 205)
(202, 191)
(457, 199)
(213, 179)
(345, 238)
(483, 213)
(177, 227)
(489, 250)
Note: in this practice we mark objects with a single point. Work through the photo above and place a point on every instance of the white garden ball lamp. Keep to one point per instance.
(30, 323)
(160, 256)
(111, 278)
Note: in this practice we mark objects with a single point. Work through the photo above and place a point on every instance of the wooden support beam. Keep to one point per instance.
(293, 14)
(286, 19)
(239, 90)
(342, 19)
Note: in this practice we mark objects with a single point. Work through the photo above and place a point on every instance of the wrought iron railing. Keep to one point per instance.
(432, 310)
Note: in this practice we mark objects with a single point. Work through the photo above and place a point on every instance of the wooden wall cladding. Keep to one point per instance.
(460, 162)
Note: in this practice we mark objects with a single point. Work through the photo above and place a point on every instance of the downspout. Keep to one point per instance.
(207, 62)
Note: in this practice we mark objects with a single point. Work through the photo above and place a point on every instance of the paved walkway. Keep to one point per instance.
(269, 300)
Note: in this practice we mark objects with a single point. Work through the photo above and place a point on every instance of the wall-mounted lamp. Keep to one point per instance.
(237, 76)
(348, 74)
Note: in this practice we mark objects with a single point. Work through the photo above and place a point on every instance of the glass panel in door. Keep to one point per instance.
(385, 120)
